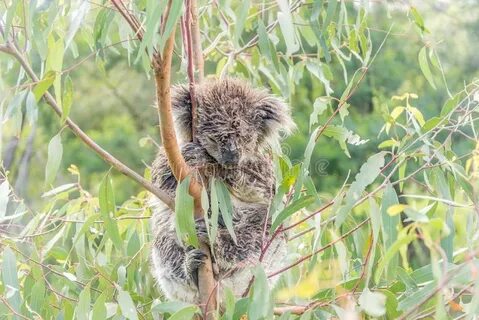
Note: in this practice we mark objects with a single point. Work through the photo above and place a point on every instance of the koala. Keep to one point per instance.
(236, 127)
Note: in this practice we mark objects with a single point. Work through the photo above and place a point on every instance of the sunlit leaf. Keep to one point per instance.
(44, 84)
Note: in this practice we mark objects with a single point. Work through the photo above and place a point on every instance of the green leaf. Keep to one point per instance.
(55, 151)
(76, 19)
(99, 308)
(266, 47)
(170, 307)
(127, 306)
(389, 226)
(214, 211)
(37, 299)
(102, 25)
(226, 208)
(343, 136)
(431, 124)
(240, 20)
(55, 62)
(10, 279)
(291, 209)
(174, 14)
(185, 313)
(449, 105)
(11, 11)
(402, 241)
(319, 106)
(289, 35)
(44, 85)
(261, 303)
(108, 210)
(418, 20)
(184, 217)
(82, 310)
(67, 98)
(4, 198)
(154, 11)
(424, 65)
(367, 174)
(31, 108)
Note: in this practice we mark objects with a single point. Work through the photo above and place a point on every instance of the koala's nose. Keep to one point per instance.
(230, 157)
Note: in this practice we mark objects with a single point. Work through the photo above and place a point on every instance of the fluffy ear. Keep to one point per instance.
(274, 118)
(181, 107)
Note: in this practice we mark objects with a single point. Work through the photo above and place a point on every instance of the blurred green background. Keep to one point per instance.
(114, 102)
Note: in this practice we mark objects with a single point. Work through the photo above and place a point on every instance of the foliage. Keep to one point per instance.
(391, 234)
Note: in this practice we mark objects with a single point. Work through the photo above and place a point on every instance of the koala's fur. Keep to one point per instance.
(235, 129)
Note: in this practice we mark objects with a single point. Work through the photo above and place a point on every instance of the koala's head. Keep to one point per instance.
(234, 120)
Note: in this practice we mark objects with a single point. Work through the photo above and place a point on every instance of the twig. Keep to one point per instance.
(329, 245)
(308, 217)
(189, 49)
(196, 40)
(5, 302)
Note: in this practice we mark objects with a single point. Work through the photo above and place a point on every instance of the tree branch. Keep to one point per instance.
(105, 155)
(179, 167)
(196, 40)
(188, 46)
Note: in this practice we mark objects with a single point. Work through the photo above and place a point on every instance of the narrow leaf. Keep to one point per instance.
(55, 151)
(424, 65)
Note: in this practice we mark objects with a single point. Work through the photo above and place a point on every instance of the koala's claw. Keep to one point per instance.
(193, 260)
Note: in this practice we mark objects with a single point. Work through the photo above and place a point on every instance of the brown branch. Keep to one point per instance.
(129, 17)
(105, 155)
(180, 169)
(189, 49)
(196, 40)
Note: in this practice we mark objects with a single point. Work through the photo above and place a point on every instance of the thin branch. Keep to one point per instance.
(329, 245)
(105, 155)
(189, 49)
(196, 40)
(12, 310)
(309, 216)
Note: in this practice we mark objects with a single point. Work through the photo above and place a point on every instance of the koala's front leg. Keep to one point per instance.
(195, 156)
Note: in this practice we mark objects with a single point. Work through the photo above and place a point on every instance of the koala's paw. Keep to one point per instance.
(193, 260)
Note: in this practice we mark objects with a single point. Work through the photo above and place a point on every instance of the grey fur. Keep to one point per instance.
(235, 129)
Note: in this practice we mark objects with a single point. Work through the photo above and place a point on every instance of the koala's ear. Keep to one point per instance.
(274, 118)
(181, 107)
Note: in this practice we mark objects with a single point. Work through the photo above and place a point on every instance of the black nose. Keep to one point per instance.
(230, 157)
